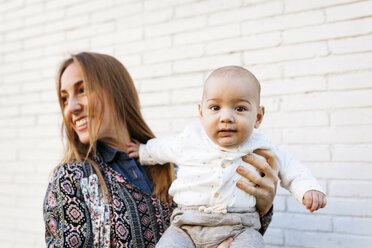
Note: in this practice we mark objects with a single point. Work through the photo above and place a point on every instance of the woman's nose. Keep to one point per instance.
(74, 106)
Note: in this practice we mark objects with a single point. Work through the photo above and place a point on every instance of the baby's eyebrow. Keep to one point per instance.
(243, 100)
(212, 99)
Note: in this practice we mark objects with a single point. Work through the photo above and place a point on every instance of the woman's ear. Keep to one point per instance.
(260, 115)
(200, 111)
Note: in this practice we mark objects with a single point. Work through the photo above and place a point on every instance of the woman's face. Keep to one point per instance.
(75, 106)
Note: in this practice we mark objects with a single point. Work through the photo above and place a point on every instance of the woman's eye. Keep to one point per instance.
(215, 108)
(82, 90)
(64, 100)
(240, 109)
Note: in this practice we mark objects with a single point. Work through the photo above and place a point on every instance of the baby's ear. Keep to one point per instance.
(260, 115)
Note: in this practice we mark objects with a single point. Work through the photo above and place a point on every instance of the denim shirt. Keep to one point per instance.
(125, 166)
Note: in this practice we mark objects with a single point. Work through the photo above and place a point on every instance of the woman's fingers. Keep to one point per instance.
(226, 243)
(250, 175)
(271, 161)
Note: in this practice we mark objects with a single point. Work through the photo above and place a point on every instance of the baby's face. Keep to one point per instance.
(229, 110)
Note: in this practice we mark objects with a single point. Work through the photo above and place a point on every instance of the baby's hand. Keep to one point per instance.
(133, 149)
(313, 200)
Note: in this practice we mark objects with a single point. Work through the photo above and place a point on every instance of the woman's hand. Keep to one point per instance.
(266, 183)
(226, 243)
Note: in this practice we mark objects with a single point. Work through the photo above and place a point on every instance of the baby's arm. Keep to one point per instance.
(155, 151)
(298, 179)
(313, 200)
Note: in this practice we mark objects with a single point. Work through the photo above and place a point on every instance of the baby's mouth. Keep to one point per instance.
(226, 132)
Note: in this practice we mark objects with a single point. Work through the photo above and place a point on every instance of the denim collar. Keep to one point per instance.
(108, 153)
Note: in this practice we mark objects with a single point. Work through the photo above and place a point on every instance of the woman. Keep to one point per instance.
(98, 196)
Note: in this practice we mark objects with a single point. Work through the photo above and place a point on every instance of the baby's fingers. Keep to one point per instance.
(133, 154)
(315, 203)
(307, 200)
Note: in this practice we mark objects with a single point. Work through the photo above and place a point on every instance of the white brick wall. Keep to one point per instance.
(313, 58)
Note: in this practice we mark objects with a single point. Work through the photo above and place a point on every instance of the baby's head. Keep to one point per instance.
(230, 107)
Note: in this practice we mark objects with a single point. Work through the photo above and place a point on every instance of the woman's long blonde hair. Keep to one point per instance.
(112, 84)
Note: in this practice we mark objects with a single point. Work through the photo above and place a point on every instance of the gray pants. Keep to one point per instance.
(190, 228)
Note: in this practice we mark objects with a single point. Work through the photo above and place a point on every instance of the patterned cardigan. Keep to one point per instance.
(76, 214)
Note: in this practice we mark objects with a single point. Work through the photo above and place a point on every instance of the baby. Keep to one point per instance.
(211, 207)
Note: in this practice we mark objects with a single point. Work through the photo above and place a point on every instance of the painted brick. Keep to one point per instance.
(154, 98)
(283, 22)
(313, 101)
(205, 63)
(266, 71)
(177, 125)
(39, 108)
(204, 7)
(293, 85)
(333, 64)
(337, 206)
(45, 39)
(86, 7)
(295, 119)
(328, 31)
(354, 80)
(176, 26)
(246, 43)
(23, 55)
(111, 38)
(274, 236)
(8, 47)
(247, 13)
(24, 77)
(294, 5)
(319, 239)
(26, 10)
(148, 71)
(47, 16)
(143, 45)
(350, 11)
(168, 112)
(355, 152)
(359, 116)
(271, 104)
(55, 4)
(342, 170)
(306, 222)
(337, 135)
(114, 12)
(284, 53)
(310, 152)
(159, 126)
(173, 82)
(69, 47)
(211, 34)
(11, 5)
(72, 24)
(191, 95)
(358, 189)
(279, 201)
(357, 226)
(351, 45)
(161, 4)
(177, 53)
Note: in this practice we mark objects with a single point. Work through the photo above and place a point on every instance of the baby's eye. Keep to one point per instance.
(240, 109)
(215, 108)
